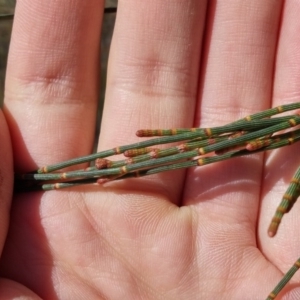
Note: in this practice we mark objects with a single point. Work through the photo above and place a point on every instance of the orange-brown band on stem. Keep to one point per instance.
(102, 163)
(117, 150)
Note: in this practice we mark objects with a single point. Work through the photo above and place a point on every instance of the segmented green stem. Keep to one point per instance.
(287, 202)
(285, 279)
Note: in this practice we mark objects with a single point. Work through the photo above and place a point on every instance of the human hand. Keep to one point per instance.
(200, 234)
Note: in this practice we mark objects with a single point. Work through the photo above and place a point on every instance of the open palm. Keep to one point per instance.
(196, 234)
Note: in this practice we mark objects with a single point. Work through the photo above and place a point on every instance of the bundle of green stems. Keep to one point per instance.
(259, 132)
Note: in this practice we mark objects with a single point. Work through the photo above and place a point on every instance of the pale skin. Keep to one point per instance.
(200, 234)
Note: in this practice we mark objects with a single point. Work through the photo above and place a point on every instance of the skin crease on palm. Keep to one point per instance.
(196, 234)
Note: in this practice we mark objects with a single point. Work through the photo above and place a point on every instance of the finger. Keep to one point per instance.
(237, 81)
(283, 249)
(6, 179)
(13, 290)
(51, 84)
(153, 73)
